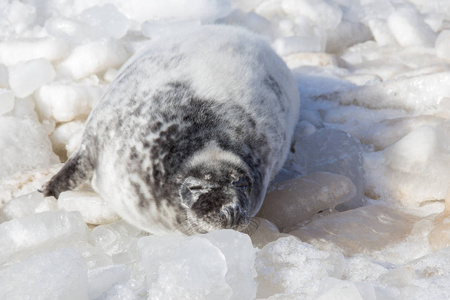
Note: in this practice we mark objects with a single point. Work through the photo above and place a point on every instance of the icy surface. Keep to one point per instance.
(361, 209)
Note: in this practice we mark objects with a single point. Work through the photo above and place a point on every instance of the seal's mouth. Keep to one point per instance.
(227, 218)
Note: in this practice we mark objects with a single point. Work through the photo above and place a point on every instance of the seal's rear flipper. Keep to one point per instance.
(75, 171)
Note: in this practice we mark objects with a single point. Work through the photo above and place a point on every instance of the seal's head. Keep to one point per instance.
(216, 193)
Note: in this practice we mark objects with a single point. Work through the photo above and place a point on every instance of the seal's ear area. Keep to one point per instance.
(192, 188)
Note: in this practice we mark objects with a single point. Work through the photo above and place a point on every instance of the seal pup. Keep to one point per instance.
(188, 136)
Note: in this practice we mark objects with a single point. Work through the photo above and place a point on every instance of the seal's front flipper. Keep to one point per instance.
(78, 168)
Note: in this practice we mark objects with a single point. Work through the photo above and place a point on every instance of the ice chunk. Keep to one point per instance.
(270, 9)
(347, 34)
(66, 101)
(92, 207)
(95, 257)
(361, 230)
(102, 279)
(332, 288)
(296, 60)
(246, 5)
(69, 30)
(27, 205)
(240, 257)
(192, 269)
(294, 201)
(205, 10)
(385, 133)
(157, 30)
(36, 230)
(443, 45)
(293, 44)
(24, 145)
(25, 78)
(409, 28)
(106, 21)
(263, 232)
(96, 56)
(118, 240)
(21, 50)
(322, 13)
(417, 168)
(289, 266)
(360, 269)
(3, 76)
(60, 274)
(110, 74)
(66, 138)
(25, 182)
(6, 101)
(399, 94)
(440, 234)
(431, 272)
(333, 151)
(381, 32)
(217, 265)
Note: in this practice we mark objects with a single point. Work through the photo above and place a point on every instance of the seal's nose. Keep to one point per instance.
(233, 216)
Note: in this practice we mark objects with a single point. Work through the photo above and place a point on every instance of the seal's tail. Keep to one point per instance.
(78, 168)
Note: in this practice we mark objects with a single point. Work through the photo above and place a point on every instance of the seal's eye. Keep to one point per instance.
(196, 188)
(241, 183)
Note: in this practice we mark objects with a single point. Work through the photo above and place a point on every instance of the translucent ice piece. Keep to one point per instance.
(92, 207)
(288, 266)
(27, 205)
(6, 101)
(39, 229)
(290, 202)
(333, 151)
(217, 265)
(362, 230)
(265, 232)
(60, 274)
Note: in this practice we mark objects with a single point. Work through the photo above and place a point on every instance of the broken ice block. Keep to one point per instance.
(332, 288)
(417, 167)
(6, 101)
(322, 13)
(25, 182)
(102, 279)
(25, 78)
(97, 57)
(361, 230)
(385, 133)
(443, 45)
(67, 137)
(118, 240)
(66, 101)
(333, 151)
(263, 232)
(92, 207)
(398, 94)
(24, 145)
(409, 28)
(439, 236)
(60, 274)
(25, 49)
(27, 205)
(106, 21)
(290, 202)
(217, 265)
(288, 265)
(43, 228)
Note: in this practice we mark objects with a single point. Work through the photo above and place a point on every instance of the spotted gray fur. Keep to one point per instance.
(188, 136)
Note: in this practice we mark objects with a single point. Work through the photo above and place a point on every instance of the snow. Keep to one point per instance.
(361, 210)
